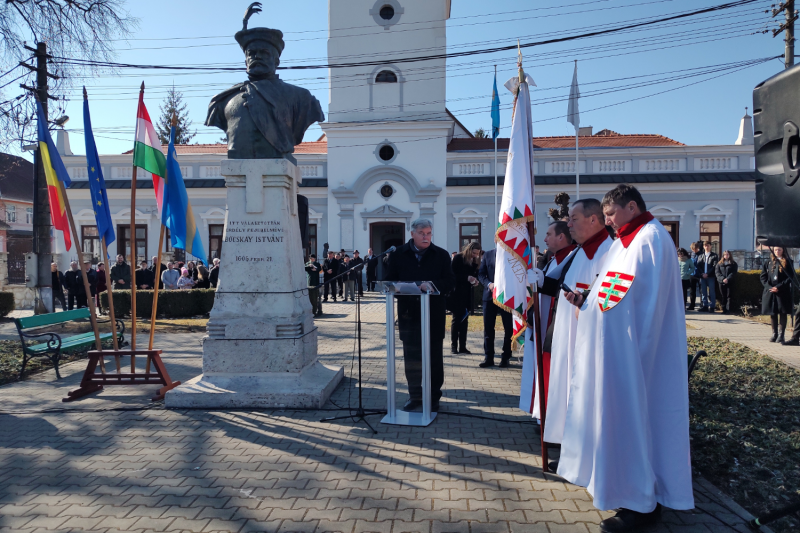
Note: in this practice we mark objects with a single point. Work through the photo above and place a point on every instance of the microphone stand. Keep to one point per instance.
(360, 412)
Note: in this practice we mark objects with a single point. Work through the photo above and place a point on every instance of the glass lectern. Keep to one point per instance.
(392, 290)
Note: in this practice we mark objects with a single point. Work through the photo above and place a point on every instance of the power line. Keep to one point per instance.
(720, 7)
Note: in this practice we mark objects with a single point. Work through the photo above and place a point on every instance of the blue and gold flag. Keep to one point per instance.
(97, 185)
(495, 110)
(177, 213)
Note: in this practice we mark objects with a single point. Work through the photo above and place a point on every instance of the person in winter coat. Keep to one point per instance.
(726, 273)
(202, 281)
(73, 282)
(185, 281)
(121, 274)
(706, 266)
(349, 279)
(144, 277)
(330, 269)
(58, 287)
(102, 285)
(687, 268)
(213, 274)
(465, 269)
(313, 269)
(777, 276)
(416, 261)
(157, 270)
(170, 277)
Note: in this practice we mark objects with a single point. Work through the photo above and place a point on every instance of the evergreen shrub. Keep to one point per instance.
(171, 304)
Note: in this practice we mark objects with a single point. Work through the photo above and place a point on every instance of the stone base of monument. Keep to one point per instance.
(261, 348)
(309, 389)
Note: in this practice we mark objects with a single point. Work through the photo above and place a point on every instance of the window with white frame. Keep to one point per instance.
(29, 215)
(11, 213)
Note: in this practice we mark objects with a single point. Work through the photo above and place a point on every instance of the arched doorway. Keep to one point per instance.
(384, 235)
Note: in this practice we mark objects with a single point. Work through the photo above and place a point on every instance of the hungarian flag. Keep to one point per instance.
(54, 172)
(514, 258)
(147, 153)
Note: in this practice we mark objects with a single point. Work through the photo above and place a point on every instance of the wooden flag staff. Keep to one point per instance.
(157, 266)
(86, 286)
(536, 312)
(111, 316)
(93, 382)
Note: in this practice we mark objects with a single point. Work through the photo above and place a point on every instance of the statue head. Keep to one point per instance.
(262, 47)
(262, 51)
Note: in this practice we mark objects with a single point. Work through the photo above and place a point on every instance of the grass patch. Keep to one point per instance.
(745, 426)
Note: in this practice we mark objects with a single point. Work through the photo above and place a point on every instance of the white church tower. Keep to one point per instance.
(387, 126)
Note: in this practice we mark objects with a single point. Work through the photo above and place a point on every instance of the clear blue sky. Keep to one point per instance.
(200, 32)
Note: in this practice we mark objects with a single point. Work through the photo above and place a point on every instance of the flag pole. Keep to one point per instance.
(111, 314)
(132, 243)
(496, 218)
(536, 312)
(89, 300)
(577, 168)
(157, 268)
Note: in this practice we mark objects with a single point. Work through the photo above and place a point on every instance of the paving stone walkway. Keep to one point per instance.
(116, 462)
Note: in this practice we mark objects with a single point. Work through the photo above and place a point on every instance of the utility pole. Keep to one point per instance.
(790, 15)
(41, 201)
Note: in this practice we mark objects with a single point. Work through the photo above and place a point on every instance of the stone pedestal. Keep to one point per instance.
(261, 348)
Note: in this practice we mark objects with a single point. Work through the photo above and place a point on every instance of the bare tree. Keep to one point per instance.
(79, 36)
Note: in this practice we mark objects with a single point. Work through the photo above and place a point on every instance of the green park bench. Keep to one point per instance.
(56, 344)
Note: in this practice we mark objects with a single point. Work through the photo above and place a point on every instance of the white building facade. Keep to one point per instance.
(392, 152)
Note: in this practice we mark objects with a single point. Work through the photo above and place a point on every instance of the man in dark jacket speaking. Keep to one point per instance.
(421, 260)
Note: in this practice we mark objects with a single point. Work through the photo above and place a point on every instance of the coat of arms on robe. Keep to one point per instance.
(613, 289)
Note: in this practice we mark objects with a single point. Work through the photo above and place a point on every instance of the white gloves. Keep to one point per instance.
(535, 277)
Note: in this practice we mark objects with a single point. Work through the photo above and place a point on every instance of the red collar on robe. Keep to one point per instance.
(627, 232)
(590, 247)
(564, 252)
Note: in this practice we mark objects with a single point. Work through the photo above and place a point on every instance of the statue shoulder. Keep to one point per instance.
(227, 93)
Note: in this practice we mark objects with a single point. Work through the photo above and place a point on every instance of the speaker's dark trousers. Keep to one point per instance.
(411, 335)
(490, 312)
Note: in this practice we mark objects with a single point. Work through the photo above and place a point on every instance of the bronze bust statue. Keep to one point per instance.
(264, 118)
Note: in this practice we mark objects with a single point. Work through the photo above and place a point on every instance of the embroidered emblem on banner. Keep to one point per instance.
(613, 289)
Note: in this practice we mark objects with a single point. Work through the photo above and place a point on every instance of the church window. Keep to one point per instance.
(386, 152)
(387, 191)
(387, 12)
(386, 76)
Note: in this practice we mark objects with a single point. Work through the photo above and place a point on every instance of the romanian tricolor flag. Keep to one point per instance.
(147, 153)
(177, 215)
(54, 172)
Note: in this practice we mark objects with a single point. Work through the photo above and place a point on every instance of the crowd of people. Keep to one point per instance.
(171, 276)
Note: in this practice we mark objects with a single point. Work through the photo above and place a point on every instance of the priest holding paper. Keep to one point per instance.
(626, 436)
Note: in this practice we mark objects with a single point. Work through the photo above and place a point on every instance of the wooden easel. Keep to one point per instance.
(93, 382)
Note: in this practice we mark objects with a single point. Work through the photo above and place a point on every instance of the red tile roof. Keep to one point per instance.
(601, 139)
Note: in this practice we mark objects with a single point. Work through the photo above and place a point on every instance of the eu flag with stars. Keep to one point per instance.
(97, 185)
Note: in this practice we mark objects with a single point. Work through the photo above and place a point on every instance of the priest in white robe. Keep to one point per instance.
(560, 246)
(588, 229)
(626, 437)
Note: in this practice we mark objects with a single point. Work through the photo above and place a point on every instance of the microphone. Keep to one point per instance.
(390, 250)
